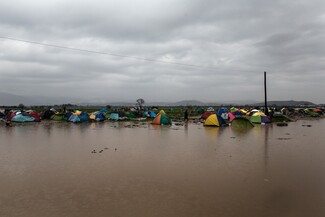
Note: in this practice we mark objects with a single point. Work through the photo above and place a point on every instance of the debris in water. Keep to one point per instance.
(282, 124)
(284, 138)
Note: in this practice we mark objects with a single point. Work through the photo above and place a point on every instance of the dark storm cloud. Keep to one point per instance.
(232, 42)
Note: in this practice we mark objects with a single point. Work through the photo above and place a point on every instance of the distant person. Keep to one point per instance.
(8, 123)
(7, 112)
(271, 114)
(186, 115)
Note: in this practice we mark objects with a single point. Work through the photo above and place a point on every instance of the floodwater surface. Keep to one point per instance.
(138, 170)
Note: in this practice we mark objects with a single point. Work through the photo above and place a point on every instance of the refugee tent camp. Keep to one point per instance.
(150, 114)
(259, 117)
(59, 117)
(237, 112)
(2, 115)
(233, 109)
(97, 116)
(20, 117)
(47, 114)
(312, 112)
(241, 122)
(205, 115)
(223, 112)
(231, 116)
(153, 114)
(162, 119)
(280, 118)
(199, 110)
(253, 111)
(215, 120)
(210, 109)
(33, 114)
(78, 117)
(104, 111)
(114, 116)
(132, 115)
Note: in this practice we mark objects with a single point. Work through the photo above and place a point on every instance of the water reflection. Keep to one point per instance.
(267, 128)
(190, 170)
(241, 132)
(213, 132)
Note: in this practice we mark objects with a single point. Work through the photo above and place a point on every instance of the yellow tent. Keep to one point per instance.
(259, 114)
(214, 120)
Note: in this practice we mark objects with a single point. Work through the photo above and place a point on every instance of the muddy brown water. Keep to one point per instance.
(121, 170)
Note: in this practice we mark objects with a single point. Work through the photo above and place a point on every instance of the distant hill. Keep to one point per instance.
(8, 99)
(233, 102)
(188, 103)
(180, 103)
(285, 103)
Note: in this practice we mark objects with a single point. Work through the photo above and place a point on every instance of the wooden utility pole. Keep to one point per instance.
(266, 111)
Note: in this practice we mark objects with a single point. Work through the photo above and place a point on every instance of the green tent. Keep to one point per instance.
(241, 122)
(59, 117)
(132, 115)
(162, 119)
(280, 118)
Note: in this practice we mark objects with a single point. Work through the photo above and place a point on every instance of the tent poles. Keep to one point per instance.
(266, 111)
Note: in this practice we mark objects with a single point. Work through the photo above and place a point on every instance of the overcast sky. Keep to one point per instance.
(220, 49)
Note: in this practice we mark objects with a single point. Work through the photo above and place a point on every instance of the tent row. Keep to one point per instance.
(223, 115)
(80, 117)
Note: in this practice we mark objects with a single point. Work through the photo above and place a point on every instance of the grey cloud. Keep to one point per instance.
(232, 42)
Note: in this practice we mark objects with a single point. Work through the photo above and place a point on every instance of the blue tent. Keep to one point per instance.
(150, 114)
(22, 118)
(223, 112)
(114, 116)
(153, 114)
(68, 115)
(100, 117)
(103, 111)
(76, 118)
(84, 117)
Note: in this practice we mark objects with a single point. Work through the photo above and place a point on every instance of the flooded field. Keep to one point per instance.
(139, 170)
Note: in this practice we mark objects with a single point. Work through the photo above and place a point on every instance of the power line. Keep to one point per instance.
(103, 53)
(114, 54)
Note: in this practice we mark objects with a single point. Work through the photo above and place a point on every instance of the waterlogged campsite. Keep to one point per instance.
(162, 161)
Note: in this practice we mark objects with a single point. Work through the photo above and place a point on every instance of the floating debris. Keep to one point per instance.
(306, 125)
(179, 124)
(282, 124)
(284, 138)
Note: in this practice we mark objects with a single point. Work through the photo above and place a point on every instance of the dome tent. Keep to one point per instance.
(162, 119)
(215, 121)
